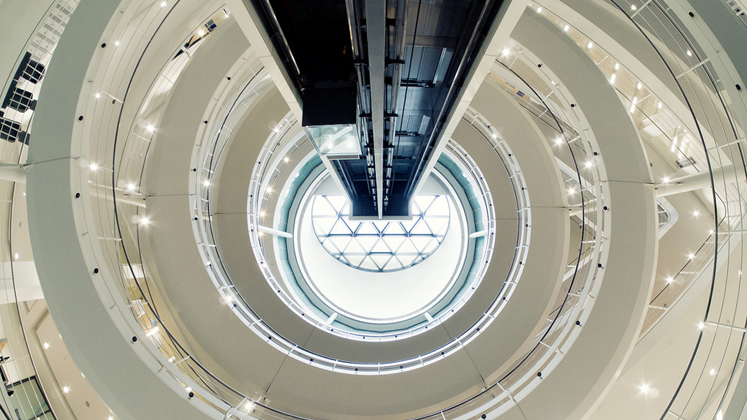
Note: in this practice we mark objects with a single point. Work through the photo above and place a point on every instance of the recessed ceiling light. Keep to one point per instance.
(201, 33)
(164, 4)
(590, 44)
(566, 28)
(690, 256)
(539, 10)
(65, 389)
(701, 325)
(696, 213)
(46, 346)
(15, 256)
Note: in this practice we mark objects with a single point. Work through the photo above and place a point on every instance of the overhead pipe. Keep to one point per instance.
(697, 181)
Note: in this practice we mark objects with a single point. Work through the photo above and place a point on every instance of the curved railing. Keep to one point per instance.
(119, 234)
(16, 123)
(120, 223)
(263, 179)
(712, 142)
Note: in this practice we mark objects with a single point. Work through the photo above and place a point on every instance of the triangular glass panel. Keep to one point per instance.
(367, 242)
(394, 228)
(421, 228)
(438, 225)
(321, 207)
(432, 245)
(323, 225)
(380, 260)
(367, 228)
(407, 248)
(339, 242)
(424, 201)
(381, 247)
(355, 259)
(340, 228)
(407, 260)
(355, 248)
(380, 226)
(439, 207)
(394, 264)
(337, 202)
(368, 264)
(394, 241)
(421, 242)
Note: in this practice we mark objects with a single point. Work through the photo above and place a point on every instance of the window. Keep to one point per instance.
(381, 246)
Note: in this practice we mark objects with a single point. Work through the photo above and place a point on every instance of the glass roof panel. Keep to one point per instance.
(381, 245)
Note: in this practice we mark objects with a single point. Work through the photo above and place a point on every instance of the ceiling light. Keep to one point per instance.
(46, 346)
(712, 371)
(206, 183)
(571, 191)
(262, 214)
(566, 28)
(690, 256)
(94, 166)
(639, 86)
(589, 164)
(660, 105)
(144, 221)
(131, 187)
(670, 280)
(201, 32)
(665, 180)
(558, 141)
(171, 359)
(150, 128)
(98, 95)
(633, 104)
(268, 189)
(249, 406)
(152, 331)
(65, 389)
(710, 232)
(612, 79)
(590, 44)
(188, 389)
(506, 52)
(111, 418)
(617, 66)
(645, 388)
(164, 4)
(701, 326)
(696, 213)
(539, 10)
(116, 43)
(286, 160)
(633, 7)
(689, 53)
(15, 257)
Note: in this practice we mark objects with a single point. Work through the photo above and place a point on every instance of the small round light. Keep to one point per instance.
(46, 346)
(65, 389)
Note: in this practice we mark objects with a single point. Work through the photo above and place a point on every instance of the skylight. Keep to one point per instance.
(381, 246)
